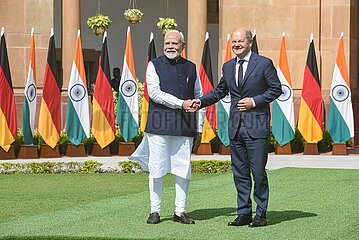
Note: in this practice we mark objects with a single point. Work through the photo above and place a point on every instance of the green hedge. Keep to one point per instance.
(200, 166)
(211, 166)
(51, 167)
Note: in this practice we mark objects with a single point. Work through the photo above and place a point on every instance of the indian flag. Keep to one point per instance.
(224, 104)
(29, 107)
(127, 109)
(340, 116)
(77, 114)
(283, 107)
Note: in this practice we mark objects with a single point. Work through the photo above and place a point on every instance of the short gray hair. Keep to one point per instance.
(246, 30)
(177, 32)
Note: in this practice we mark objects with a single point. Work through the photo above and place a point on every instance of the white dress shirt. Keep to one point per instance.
(244, 66)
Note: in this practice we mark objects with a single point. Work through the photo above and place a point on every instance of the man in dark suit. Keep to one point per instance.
(253, 83)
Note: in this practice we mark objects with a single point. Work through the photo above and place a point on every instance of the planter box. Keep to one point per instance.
(100, 152)
(204, 149)
(310, 149)
(75, 151)
(223, 150)
(7, 155)
(285, 150)
(48, 152)
(339, 149)
(126, 148)
(28, 152)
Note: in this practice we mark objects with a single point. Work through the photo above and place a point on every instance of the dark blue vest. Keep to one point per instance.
(177, 77)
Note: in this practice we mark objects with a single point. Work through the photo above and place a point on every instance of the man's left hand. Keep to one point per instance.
(245, 104)
(196, 141)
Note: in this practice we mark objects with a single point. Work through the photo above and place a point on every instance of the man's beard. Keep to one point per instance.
(172, 55)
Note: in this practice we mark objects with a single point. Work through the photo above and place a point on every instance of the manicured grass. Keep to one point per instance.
(304, 204)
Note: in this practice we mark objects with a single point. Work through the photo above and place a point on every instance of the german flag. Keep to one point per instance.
(254, 47)
(50, 110)
(8, 128)
(310, 119)
(151, 54)
(205, 74)
(103, 116)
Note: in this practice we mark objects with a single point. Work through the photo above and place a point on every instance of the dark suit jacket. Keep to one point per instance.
(260, 83)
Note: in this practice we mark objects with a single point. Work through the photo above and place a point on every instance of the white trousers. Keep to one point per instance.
(181, 186)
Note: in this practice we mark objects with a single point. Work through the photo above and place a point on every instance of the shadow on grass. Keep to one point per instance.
(275, 217)
(205, 214)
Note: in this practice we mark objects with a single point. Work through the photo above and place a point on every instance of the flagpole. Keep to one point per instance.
(151, 36)
(104, 37)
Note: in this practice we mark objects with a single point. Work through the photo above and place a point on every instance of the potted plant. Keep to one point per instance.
(166, 24)
(26, 151)
(45, 150)
(99, 23)
(88, 144)
(133, 15)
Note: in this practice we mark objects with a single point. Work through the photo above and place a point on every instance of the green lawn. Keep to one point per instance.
(304, 204)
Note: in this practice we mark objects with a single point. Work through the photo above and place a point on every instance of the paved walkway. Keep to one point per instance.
(326, 160)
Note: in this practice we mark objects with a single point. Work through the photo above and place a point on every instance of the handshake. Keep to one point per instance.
(191, 105)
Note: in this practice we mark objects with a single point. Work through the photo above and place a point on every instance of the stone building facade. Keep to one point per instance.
(298, 19)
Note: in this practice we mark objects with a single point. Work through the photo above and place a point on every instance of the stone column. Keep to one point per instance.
(70, 25)
(197, 27)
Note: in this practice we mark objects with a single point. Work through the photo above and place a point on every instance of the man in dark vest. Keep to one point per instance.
(171, 132)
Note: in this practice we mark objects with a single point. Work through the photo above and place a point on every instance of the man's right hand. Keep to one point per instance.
(186, 105)
(194, 106)
(191, 105)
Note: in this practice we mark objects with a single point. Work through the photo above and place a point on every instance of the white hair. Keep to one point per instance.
(177, 32)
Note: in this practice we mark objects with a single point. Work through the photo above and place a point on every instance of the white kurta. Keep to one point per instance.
(162, 154)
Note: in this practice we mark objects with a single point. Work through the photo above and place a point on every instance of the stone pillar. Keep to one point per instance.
(70, 25)
(197, 27)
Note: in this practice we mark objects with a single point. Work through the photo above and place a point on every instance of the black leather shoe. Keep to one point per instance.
(258, 222)
(154, 218)
(184, 218)
(241, 220)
